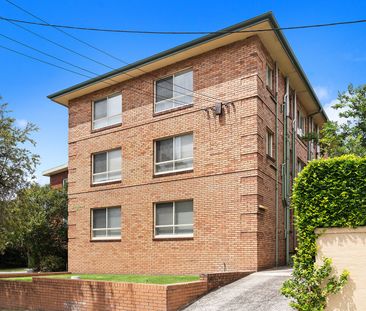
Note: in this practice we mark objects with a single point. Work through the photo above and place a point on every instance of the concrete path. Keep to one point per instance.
(256, 292)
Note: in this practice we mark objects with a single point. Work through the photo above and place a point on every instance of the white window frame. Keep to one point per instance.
(269, 143)
(174, 160)
(301, 123)
(107, 171)
(64, 182)
(107, 117)
(269, 80)
(174, 98)
(170, 236)
(115, 237)
(299, 162)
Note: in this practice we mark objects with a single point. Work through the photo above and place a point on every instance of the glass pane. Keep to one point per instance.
(164, 105)
(183, 146)
(114, 120)
(164, 231)
(100, 123)
(99, 233)
(100, 163)
(164, 150)
(100, 177)
(184, 212)
(166, 167)
(184, 230)
(114, 175)
(114, 160)
(99, 218)
(114, 233)
(114, 217)
(164, 89)
(164, 214)
(100, 109)
(115, 105)
(183, 100)
(183, 83)
(183, 164)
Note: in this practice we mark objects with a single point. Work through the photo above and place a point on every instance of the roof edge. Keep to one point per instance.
(55, 170)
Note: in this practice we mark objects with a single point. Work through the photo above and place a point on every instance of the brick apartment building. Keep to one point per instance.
(58, 176)
(182, 162)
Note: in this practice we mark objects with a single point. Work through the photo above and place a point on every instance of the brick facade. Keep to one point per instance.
(57, 180)
(232, 184)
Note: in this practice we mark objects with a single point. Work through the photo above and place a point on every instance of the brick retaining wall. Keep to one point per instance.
(82, 295)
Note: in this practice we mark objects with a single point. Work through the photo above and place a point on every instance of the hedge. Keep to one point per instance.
(328, 193)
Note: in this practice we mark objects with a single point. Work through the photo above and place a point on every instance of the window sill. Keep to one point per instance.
(172, 173)
(106, 128)
(106, 240)
(156, 114)
(106, 183)
(172, 238)
(270, 90)
(271, 158)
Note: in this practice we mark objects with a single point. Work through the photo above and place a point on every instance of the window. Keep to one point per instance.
(64, 182)
(107, 166)
(269, 77)
(106, 223)
(300, 124)
(300, 165)
(174, 91)
(269, 143)
(174, 219)
(107, 111)
(174, 154)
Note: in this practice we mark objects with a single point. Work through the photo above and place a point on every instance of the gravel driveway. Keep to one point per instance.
(256, 292)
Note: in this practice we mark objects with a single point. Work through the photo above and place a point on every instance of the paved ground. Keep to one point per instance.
(256, 292)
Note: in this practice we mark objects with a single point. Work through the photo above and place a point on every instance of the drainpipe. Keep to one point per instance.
(294, 133)
(276, 156)
(285, 169)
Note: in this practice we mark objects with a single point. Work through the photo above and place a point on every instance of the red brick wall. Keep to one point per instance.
(56, 180)
(57, 294)
(232, 175)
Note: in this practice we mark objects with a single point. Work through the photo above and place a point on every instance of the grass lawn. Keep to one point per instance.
(13, 270)
(131, 278)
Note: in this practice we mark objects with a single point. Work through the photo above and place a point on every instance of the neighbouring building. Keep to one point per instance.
(183, 162)
(58, 176)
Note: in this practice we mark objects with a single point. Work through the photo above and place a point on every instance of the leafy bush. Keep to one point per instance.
(327, 193)
(52, 264)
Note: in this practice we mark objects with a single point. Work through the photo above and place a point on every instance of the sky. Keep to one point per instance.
(331, 57)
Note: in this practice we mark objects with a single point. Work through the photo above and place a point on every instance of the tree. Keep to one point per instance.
(350, 137)
(36, 223)
(17, 163)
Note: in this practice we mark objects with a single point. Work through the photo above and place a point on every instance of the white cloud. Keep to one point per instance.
(21, 123)
(332, 113)
(322, 92)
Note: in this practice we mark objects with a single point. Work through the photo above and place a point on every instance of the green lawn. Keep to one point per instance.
(131, 278)
(13, 270)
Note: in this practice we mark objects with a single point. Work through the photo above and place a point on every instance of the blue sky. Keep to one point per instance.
(331, 57)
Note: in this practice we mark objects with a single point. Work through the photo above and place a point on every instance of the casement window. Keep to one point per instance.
(174, 219)
(106, 223)
(269, 77)
(174, 154)
(174, 91)
(269, 143)
(107, 111)
(107, 166)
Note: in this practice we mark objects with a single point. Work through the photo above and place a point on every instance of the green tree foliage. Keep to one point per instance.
(17, 163)
(36, 223)
(350, 137)
(327, 193)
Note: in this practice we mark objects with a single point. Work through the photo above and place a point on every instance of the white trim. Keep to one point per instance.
(106, 237)
(55, 170)
(173, 225)
(107, 172)
(106, 117)
(174, 98)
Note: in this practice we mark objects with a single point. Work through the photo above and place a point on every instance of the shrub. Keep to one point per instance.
(52, 264)
(327, 193)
